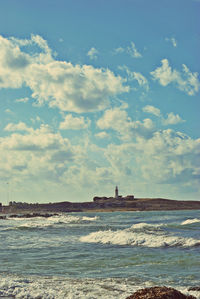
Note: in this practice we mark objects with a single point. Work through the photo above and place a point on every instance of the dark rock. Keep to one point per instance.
(32, 215)
(159, 293)
(194, 289)
(3, 217)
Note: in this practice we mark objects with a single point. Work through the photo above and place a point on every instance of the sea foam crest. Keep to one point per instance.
(62, 219)
(138, 238)
(143, 226)
(62, 288)
(190, 221)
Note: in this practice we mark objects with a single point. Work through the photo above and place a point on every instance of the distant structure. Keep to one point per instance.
(117, 197)
(0, 207)
(116, 192)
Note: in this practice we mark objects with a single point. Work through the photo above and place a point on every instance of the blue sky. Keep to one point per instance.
(99, 93)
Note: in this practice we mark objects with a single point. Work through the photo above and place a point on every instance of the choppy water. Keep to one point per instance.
(99, 255)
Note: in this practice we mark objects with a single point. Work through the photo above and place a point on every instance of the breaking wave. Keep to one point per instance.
(142, 226)
(190, 221)
(38, 222)
(141, 234)
(63, 288)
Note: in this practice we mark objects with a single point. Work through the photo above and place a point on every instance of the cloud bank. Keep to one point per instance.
(76, 88)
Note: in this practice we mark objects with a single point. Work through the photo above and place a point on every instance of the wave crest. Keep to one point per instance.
(38, 222)
(135, 236)
(190, 221)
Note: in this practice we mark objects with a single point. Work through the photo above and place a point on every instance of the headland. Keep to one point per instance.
(102, 204)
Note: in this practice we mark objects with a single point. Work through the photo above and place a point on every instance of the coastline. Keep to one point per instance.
(137, 204)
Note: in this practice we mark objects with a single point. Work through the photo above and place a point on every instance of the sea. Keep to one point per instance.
(99, 255)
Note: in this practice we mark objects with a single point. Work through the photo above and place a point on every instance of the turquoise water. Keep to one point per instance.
(99, 255)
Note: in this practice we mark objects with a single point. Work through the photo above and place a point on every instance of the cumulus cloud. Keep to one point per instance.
(119, 121)
(168, 157)
(185, 81)
(172, 119)
(22, 100)
(36, 140)
(172, 40)
(21, 126)
(152, 110)
(131, 50)
(119, 50)
(92, 53)
(76, 88)
(74, 123)
(35, 154)
(102, 135)
(40, 155)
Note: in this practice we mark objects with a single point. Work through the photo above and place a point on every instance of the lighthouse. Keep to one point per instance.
(116, 192)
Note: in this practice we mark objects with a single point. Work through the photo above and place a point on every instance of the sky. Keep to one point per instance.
(95, 94)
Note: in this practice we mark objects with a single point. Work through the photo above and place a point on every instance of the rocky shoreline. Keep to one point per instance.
(28, 215)
(159, 293)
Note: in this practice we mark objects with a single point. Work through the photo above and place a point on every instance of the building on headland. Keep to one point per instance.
(116, 192)
(117, 197)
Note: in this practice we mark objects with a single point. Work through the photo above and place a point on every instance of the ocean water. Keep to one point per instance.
(99, 255)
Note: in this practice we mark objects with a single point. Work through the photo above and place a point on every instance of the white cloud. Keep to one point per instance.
(172, 40)
(92, 53)
(172, 119)
(152, 110)
(185, 81)
(76, 88)
(127, 129)
(22, 100)
(17, 127)
(119, 50)
(113, 118)
(36, 140)
(133, 51)
(142, 81)
(36, 119)
(119, 121)
(35, 155)
(74, 123)
(102, 135)
(46, 158)
(168, 157)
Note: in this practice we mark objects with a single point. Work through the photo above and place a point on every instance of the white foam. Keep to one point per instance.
(185, 291)
(62, 288)
(190, 221)
(134, 237)
(85, 218)
(40, 222)
(143, 226)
